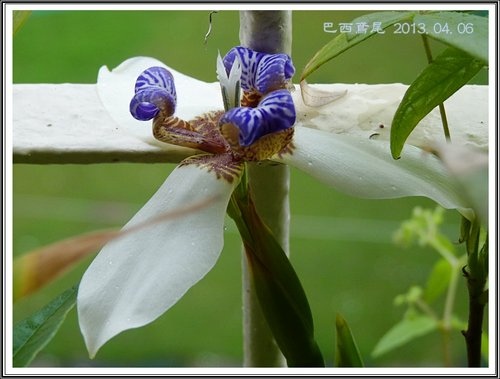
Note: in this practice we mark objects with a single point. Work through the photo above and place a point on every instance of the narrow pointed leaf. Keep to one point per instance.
(462, 30)
(403, 332)
(347, 352)
(451, 70)
(345, 41)
(279, 291)
(364, 168)
(135, 279)
(34, 333)
(39, 267)
(284, 318)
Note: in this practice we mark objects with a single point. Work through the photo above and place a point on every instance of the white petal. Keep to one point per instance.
(364, 168)
(365, 108)
(116, 89)
(135, 279)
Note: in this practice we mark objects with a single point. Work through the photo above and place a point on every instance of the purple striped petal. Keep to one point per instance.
(261, 72)
(274, 113)
(148, 102)
(154, 93)
(156, 77)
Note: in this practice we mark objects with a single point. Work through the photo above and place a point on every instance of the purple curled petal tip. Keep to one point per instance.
(261, 72)
(275, 112)
(143, 111)
(148, 102)
(154, 92)
(156, 77)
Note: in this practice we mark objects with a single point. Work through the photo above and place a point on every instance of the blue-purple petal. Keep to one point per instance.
(274, 113)
(156, 77)
(273, 72)
(261, 72)
(143, 111)
(148, 102)
(154, 92)
(249, 61)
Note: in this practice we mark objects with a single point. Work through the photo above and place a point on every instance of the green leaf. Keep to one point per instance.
(440, 79)
(404, 332)
(19, 19)
(290, 329)
(34, 333)
(347, 353)
(457, 29)
(438, 280)
(279, 291)
(345, 41)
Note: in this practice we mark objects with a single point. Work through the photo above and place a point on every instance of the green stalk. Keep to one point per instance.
(269, 32)
(448, 310)
(476, 273)
(442, 111)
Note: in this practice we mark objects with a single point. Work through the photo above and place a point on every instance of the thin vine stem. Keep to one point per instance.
(448, 308)
(442, 111)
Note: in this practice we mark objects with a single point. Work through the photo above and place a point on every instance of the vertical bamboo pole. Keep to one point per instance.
(268, 32)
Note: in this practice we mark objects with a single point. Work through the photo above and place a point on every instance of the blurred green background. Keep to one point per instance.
(341, 246)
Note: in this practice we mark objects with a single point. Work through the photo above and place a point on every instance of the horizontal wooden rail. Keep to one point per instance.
(67, 123)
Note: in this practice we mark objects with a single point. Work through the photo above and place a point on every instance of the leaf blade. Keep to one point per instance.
(463, 31)
(277, 286)
(438, 280)
(403, 332)
(34, 333)
(451, 70)
(347, 352)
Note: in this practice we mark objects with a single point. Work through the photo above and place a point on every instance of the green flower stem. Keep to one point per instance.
(269, 32)
(451, 294)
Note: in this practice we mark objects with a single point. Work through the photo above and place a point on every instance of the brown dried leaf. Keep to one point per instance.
(38, 267)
